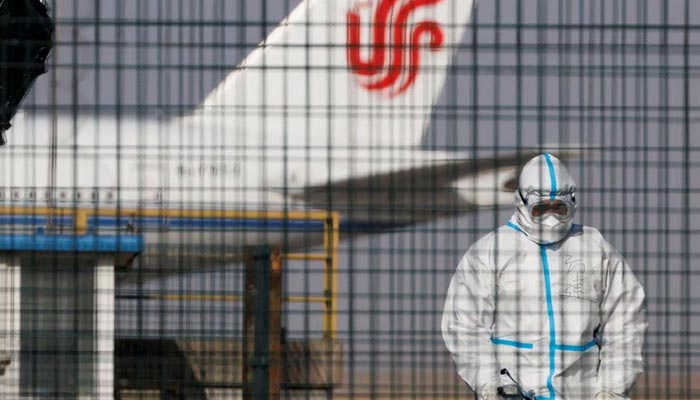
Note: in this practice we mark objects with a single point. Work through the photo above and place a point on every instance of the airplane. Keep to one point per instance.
(327, 113)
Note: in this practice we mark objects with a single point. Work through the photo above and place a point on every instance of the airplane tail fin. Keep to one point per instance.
(349, 73)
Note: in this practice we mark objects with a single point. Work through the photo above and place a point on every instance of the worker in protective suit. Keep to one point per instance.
(549, 300)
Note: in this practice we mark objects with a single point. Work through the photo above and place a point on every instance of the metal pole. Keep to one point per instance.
(263, 322)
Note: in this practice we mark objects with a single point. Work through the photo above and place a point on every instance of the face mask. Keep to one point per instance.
(544, 180)
(548, 229)
(562, 207)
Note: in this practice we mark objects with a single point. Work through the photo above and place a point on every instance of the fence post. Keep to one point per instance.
(263, 323)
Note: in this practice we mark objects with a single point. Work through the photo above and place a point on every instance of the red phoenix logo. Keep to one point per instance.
(402, 48)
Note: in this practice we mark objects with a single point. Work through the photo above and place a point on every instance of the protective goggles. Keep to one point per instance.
(539, 206)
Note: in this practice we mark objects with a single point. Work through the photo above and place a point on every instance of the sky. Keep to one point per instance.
(620, 78)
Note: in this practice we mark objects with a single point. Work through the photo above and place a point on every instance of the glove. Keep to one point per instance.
(608, 396)
(489, 391)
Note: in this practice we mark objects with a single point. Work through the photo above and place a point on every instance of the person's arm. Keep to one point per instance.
(466, 323)
(622, 329)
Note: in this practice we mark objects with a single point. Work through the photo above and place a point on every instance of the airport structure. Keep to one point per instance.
(54, 282)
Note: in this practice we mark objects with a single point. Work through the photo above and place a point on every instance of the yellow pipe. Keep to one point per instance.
(186, 213)
(173, 213)
(196, 297)
(335, 241)
(81, 221)
(227, 298)
(306, 257)
(43, 211)
(328, 314)
(308, 299)
(330, 243)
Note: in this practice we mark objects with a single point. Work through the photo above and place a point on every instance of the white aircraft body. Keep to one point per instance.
(327, 113)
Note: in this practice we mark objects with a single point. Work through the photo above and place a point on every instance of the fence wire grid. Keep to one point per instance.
(364, 180)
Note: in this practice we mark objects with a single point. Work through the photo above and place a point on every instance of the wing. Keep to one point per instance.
(434, 188)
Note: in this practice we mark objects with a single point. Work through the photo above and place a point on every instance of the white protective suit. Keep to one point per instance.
(555, 304)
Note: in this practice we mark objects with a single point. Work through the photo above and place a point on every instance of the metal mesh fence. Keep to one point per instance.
(369, 145)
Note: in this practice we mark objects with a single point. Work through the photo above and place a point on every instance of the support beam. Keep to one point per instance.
(57, 314)
(10, 303)
(104, 328)
(262, 373)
